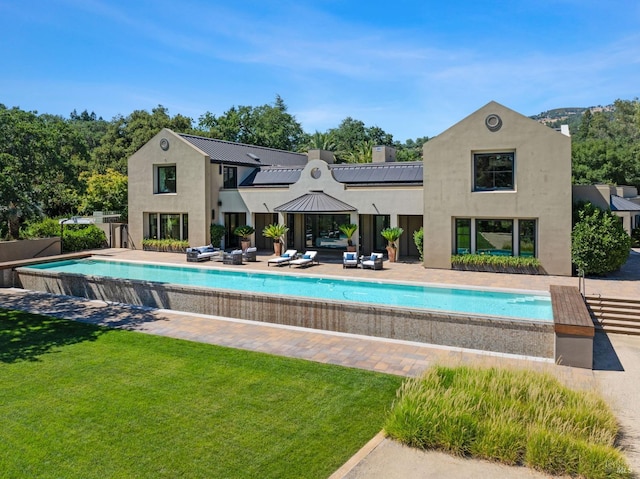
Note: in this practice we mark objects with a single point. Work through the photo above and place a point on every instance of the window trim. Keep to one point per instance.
(478, 155)
(225, 177)
(157, 190)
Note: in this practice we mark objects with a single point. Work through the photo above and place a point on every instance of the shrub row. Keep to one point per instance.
(165, 245)
(497, 264)
(515, 417)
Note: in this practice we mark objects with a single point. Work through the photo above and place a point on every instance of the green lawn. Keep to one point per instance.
(81, 401)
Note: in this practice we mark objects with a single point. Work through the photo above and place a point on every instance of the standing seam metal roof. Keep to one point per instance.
(364, 174)
(316, 202)
(618, 203)
(221, 151)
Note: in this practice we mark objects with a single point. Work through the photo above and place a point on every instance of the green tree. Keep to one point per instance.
(126, 135)
(410, 150)
(606, 146)
(599, 243)
(38, 154)
(104, 191)
(352, 138)
(267, 125)
(319, 141)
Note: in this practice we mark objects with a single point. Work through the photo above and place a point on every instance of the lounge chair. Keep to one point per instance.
(202, 253)
(235, 257)
(250, 254)
(284, 259)
(349, 259)
(308, 258)
(374, 261)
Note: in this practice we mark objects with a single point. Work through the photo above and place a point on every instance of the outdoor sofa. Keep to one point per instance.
(202, 253)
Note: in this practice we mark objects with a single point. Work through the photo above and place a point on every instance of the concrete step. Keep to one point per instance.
(615, 315)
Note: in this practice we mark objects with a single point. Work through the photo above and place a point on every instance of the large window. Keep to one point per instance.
(463, 236)
(502, 237)
(229, 177)
(166, 179)
(494, 237)
(527, 237)
(231, 222)
(322, 231)
(168, 226)
(493, 171)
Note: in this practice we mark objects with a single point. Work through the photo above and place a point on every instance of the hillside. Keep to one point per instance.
(567, 116)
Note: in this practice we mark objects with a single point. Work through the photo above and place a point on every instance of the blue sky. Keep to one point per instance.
(413, 68)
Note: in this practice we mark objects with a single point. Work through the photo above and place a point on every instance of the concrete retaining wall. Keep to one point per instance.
(31, 248)
(531, 338)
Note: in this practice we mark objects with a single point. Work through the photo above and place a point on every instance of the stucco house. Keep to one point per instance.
(496, 182)
(623, 201)
(180, 184)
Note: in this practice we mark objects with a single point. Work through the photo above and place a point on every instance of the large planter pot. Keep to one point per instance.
(391, 251)
(351, 249)
(245, 244)
(277, 248)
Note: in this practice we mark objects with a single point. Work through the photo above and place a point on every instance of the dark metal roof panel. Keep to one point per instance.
(315, 202)
(273, 176)
(228, 152)
(401, 172)
(618, 203)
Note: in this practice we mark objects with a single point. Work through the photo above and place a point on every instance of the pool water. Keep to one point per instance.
(472, 301)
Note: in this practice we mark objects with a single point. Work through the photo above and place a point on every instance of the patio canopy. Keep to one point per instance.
(314, 202)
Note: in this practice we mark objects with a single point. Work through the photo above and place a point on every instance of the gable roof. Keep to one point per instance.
(404, 173)
(240, 154)
(618, 203)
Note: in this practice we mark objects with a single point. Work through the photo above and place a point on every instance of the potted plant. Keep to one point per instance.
(217, 233)
(276, 232)
(244, 231)
(392, 235)
(348, 230)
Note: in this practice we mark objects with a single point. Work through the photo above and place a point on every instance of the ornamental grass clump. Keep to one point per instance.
(515, 417)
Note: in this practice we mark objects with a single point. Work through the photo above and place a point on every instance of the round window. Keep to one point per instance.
(493, 122)
(316, 173)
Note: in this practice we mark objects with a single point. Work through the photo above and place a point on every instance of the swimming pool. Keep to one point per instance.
(513, 305)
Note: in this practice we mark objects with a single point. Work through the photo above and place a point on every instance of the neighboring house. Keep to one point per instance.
(623, 201)
(498, 182)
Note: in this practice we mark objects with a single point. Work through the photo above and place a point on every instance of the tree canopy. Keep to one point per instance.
(267, 125)
(606, 146)
(53, 166)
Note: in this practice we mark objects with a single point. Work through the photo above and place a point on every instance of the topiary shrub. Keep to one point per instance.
(217, 233)
(599, 243)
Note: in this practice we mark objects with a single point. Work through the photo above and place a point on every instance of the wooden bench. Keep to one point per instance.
(573, 326)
